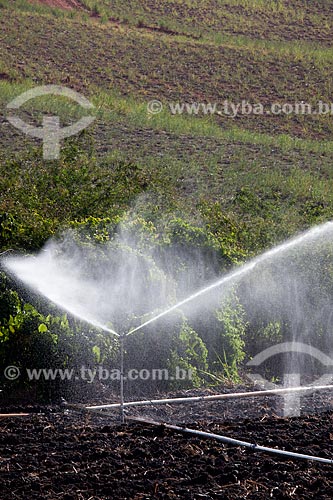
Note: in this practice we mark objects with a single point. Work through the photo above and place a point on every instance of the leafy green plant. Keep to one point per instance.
(231, 316)
(224, 370)
(190, 354)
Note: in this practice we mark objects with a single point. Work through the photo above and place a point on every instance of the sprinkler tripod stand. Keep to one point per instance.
(122, 375)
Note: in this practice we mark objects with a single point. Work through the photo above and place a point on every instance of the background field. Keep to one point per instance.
(271, 175)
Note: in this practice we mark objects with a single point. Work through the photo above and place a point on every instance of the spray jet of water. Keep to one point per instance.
(292, 243)
(102, 327)
(65, 280)
(62, 288)
(96, 295)
(221, 282)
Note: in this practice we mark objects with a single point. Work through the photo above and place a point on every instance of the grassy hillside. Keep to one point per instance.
(269, 175)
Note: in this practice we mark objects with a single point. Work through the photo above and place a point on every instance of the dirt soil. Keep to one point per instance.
(59, 452)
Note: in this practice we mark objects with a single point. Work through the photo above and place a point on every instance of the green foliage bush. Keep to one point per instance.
(32, 340)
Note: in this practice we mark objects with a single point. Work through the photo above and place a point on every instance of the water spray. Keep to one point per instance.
(244, 269)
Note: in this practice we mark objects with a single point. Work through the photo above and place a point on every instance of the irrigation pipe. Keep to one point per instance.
(82, 409)
(215, 397)
(235, 442)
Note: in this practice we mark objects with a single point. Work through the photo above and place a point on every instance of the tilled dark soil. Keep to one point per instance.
(59, 452)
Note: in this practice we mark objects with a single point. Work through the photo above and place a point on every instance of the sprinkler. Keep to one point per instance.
(62, 283)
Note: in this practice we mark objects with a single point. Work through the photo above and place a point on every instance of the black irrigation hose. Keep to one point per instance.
(235, 442)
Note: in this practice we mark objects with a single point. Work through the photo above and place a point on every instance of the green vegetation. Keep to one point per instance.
(239, 185)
